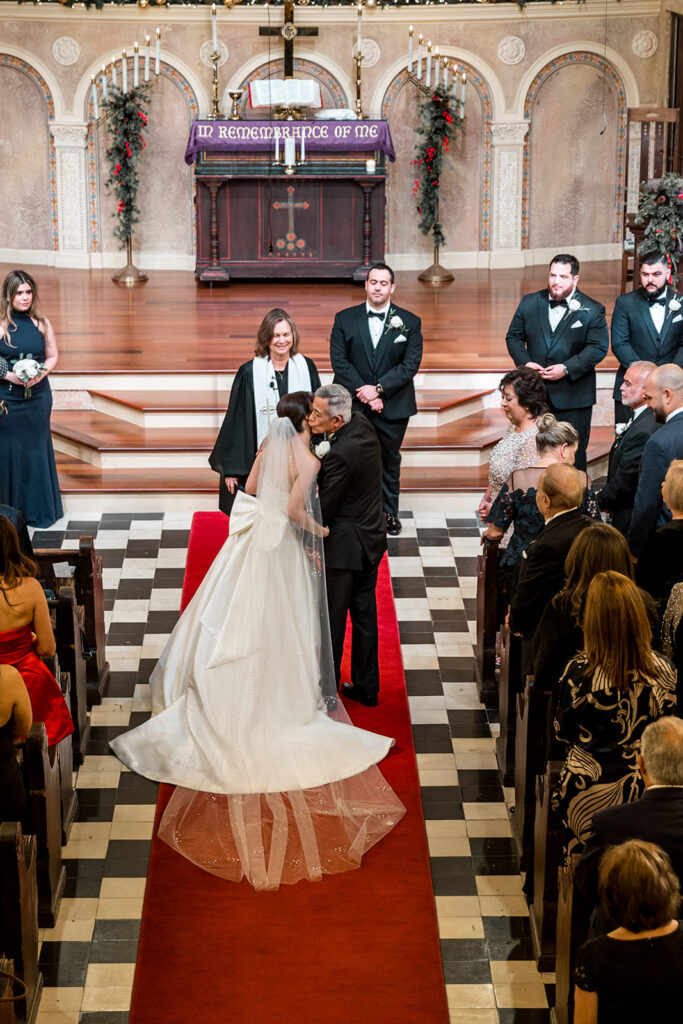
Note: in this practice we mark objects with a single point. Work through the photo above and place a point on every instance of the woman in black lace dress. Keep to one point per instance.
(28, 474)
(514, 516)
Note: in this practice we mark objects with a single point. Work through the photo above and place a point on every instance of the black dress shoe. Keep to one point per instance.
(393, 525)
(351, 692)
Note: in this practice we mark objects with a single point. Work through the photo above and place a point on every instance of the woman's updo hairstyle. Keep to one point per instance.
(295, 406)
(551, 433)
(529, 387)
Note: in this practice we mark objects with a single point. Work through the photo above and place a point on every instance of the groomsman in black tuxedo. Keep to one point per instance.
(618, 494)
(562, 333)
(349, 484)
(664, 394)
(647, 323)
(376, 350)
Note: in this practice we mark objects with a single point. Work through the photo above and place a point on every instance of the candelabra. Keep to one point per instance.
(215, 111)
(359, 107)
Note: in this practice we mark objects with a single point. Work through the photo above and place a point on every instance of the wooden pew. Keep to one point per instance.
(19, 915)
(531, 730)
(11, 991)
(509, 684)
(487, 622)
(87, 581)
(548, 838)
(42, 772)
(71, 673)
(573, 914)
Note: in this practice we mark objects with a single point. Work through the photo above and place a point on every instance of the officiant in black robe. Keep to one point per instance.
(276, 370)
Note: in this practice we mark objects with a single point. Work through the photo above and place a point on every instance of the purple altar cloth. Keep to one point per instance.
(259, 136)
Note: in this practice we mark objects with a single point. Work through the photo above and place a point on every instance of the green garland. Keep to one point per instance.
(440, 122)
(125, 112)
(660, 208)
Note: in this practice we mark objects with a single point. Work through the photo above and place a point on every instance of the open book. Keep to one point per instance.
(297, 92)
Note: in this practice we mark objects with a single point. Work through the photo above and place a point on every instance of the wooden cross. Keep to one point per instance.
(288, 31)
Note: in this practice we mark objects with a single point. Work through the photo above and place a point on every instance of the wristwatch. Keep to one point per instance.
(566, 371)
(379, 389)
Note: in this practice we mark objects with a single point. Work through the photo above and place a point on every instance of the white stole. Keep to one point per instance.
(266, 395)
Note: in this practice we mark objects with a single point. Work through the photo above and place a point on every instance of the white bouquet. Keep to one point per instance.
(28, 369)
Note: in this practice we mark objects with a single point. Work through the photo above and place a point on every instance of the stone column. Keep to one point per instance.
(72, 203)
(508, 160)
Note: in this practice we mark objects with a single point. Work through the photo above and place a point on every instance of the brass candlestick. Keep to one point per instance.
(359, 107)
(215, 112)
(235, 96)
(129, 274)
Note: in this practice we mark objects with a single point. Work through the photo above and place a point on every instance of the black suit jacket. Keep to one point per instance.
(660, 565)
(635, 337)
(350, 487)
(665, 445)
(393, 364)
(579, 341)
(656, 818)
(542, 573)
(618, 494)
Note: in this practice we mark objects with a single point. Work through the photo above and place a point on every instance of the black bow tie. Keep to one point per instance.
(660, 300)
(557, 302)
(371, 313)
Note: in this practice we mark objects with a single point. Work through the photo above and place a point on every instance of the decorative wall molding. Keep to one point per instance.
(66, 50)
(70, 142)
(511, 50)
(370, 51)
(508, 162)
(645, 44)
(206, 49)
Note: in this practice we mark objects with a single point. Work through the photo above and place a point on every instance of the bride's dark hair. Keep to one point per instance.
(295, 406)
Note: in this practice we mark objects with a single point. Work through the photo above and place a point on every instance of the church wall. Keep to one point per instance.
(507, 199)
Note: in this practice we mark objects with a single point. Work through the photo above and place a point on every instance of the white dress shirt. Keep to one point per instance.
(375, 324)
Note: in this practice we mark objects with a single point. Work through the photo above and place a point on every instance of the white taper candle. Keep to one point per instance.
(157, 53)
(105, 94)
(419, 56)
(96, 111)
(124, 71)
(147, 58)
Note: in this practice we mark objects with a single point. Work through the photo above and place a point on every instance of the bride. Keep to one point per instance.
(274, 783)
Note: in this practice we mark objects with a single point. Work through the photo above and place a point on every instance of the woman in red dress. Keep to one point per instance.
(26, 635)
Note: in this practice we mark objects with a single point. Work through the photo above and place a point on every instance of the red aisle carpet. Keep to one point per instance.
(360, 946)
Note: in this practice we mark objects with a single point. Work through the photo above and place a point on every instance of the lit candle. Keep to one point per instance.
(437, 67)
(113, 73)
(124, 71)
(277, 146)
(105, 94)
(303, 144)
(147, 58)
(410, 48)
(462, 89)
(214, 33)
(445, 74)
(429, 63)
(290, 153)
(157, 54)
(419, 56)
(94, 97)
(360, 27)
(136, 81)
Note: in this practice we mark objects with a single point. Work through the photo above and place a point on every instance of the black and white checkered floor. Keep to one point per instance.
(88, 959)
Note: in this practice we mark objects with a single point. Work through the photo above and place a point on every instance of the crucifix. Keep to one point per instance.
(288, 31)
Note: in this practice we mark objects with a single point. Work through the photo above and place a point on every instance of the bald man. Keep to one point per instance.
(559, 495)
(664, 395)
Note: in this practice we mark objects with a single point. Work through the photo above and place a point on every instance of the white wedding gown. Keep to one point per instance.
(272, 785)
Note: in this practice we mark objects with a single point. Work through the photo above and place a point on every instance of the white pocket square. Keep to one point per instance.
(402, 337)
(577, 323)
(677, 318)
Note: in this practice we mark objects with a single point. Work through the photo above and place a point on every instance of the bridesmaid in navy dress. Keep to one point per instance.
(28, 474)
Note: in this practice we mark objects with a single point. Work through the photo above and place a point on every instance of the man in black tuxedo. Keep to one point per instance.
(618, 494)
(647, 323)
(559, 494)
(656, 818)
(562, 333)
(664, 394)
(351, 502)
(376, 350)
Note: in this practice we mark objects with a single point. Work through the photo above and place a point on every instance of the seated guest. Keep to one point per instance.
(26, 635)
(559, 636)
(560, 492)
(609, 693)
(635, 973)
(15, 722)
(660, 565)
(672, 635)
(657, 817)
(19, 522)
(619, 492)
(523, 398)
(664, 393)
(516, 508)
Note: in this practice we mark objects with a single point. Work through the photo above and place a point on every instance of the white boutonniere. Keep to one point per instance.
(322, 448)
(393, 321)
(674, 305)
(621, 428)
(574, 305)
